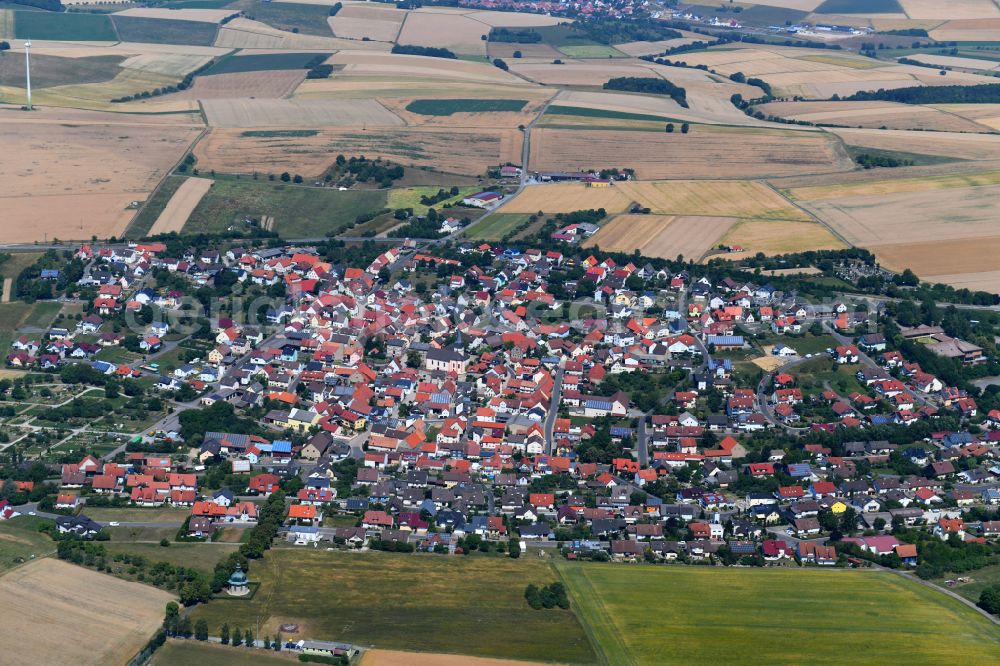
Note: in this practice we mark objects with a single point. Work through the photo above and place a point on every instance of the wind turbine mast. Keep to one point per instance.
(27, 69)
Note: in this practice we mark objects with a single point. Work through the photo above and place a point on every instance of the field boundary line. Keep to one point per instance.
(576, 584)
(812, 216)
(169, 172)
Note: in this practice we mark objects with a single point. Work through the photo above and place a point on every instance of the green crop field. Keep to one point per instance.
(447, 107)
(279, 134)
(496, 226)
(20, 540)
(307, 19)
(591, 51)
(65, 27)
(264, 62)
(429, 603)
(859, 7)
(585, 112)
(143, 222)
(165, 31)
(299, 212)
(692, 615)
(196, 653)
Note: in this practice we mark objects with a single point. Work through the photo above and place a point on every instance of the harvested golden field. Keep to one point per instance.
(580, 72)
(636, 49)
(716, 198)
(451, 31)
(956, 61)
(72, 615)
(916, 215)
(177, 211)
(297, 113)
(944, 257)
(980, 30)
(243, 33)
(874, 115)
(396, 67)
(274, 84)
(93, 95)
(801, 5)
(962, 146)
(567, 197)
(511, 19)
(706, 152)
(77, 173)
(778, 237)
(359, 28)
(706, 104)
(872, 186)
(171, 64)
(662, 235)
(983, 114)
(953, 9)
(820, 74)
(460, 150)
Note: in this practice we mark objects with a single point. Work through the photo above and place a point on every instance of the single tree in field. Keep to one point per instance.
(670, 128)
(684, 128)
(201, 630)
(237, 637)
(224, 634)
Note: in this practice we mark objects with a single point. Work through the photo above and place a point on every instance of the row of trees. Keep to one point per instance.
(649, 84)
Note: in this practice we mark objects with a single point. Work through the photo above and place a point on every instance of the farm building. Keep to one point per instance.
(482, 199)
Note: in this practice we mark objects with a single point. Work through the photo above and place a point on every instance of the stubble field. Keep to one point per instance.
(58, 613)
(451, 31)
(664, 236)
(243, 112)
(875, 115)
(461, 151)
(78, 171)
(239, 86)
(706, 152)
(180, 206)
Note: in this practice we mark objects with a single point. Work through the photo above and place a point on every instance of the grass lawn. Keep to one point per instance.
(16, 314)
(117, 355)
(20, 540)
(65, 27)
(167, 514)
(202, 556)
(164, 31)
(981, 579)
(655, 615)
(447, 107)
(299, 212)
(409, 197)
(196, 653)
(138, 534)
(809, 344)
(496, 226)
(592, 51)
(812, 375)
(18, 262)
(466, 605)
